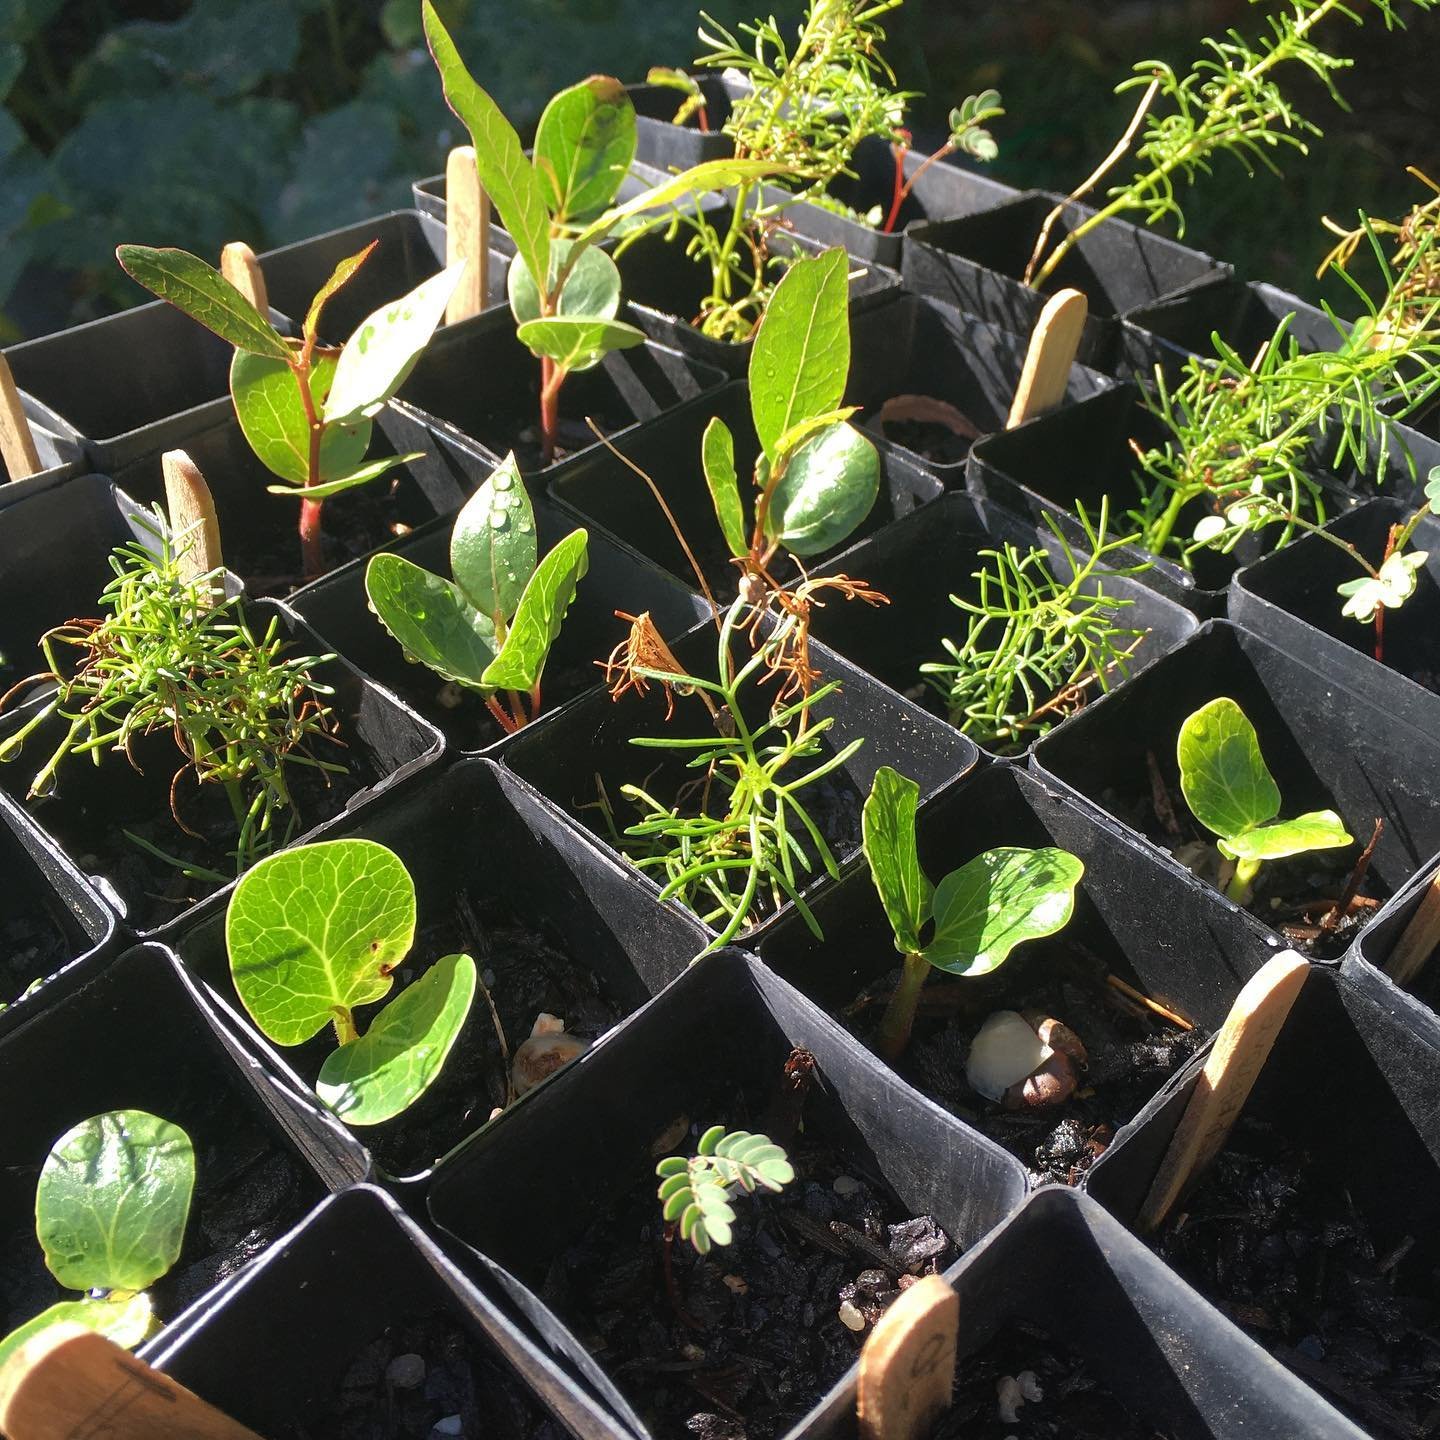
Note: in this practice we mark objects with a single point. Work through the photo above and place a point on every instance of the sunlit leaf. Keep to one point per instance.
(1317, 830)
(541, 612)
(584, 146)
(591, 290)
(124, 1319)
(431, 619)
(717, 453)
(888, 836)
(340, 276)
(363, 476)
(829, 486)
(577, 343)
(1223, 776)
(493, 545)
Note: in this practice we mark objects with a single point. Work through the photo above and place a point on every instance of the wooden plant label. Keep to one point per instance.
(467, 233)
(240, 267)
(908, 1364)
(71, 1383)
(1418, 940)
(1223, 1086)
(194, 526)
(1052, 352)
(17, 444)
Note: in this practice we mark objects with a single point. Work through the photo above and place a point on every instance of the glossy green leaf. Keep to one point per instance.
(272, 415)
(382, 352)
(431, 619)
(339, 277)
(997, 901)
(363, 476)
(125, 1320)
(507, 176)
(541, 613)
(1223, 775)
(888, 837)
(828, 488)
(374, 1078)
(113, 1199)
(316, 930)
(1316, 830)
(205, 295)
(584, 146)
(717, 452)
(577, 343)
(591, 290)
(493, 547)
(801, 355)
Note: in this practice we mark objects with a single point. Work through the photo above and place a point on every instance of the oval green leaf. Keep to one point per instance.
(717, 453)
(1317, 830)
(374, 1078)
(126, 1321)
(316, 930)
(577, 344)
(540, 614)
(887, 826)
(113, 1199)
(828, 488)
(584, 145)
(591, 290)
(493, 546)
(1223, 775)
(997, 901)
(431, 620)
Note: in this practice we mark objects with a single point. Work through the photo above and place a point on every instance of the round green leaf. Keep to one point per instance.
(592, 289)
(374, 1078)
(316, 930)
(1317, 830)
(431, 619)
(584, 145)
(493, 546)
(1223, 776)
(125, 1320)
(828, 488)
(577, 344)
(272, 415)
(113, 1199)
(997, 901)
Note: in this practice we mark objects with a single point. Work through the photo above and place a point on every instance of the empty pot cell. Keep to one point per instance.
(662, 143)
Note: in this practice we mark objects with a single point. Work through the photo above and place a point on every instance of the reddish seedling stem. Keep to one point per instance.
(672, 1288)
(552, 377)
(1390, 540)
(902, 186)
(312, 549)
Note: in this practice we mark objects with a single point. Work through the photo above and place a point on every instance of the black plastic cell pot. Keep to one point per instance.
(1376, 945)
(923, 560)
(1311, 1229)
(140, 1034)
(913, 346)
(604, 489)
(1291, 598)
(975, 263)
(326, 1313)
(1062, 1281)
(709, 1050)
(566, 756)
(50, 918)
(667, 146)
(616, 579)
(1328, 747)
(60, 455)
(90, 810)
(1194, 963)
(554, 927)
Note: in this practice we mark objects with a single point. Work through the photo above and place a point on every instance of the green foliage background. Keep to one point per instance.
(194, 122)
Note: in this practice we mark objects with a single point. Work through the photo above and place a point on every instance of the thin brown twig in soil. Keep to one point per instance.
(1160, 797)
(1341, 907)
(1116, 983)
(500, 1036)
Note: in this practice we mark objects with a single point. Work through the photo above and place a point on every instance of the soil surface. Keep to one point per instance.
(33, 944)
(926, 438)
(1131, 1053)
(423, 1372)
(752, 1335)
(1273, 1238)
(1073, 1405)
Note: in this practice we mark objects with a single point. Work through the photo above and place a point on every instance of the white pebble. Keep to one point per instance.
(1004, 1051)
(1029, 1385)
(450, 1425)
(850, 1317)
(1009, 1399)
(405, 1372)
(845, 1185)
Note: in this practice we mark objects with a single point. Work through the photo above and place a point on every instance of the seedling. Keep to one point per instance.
(968, 135)
(167, 657)
(697, 1192)
(306, 410)
(111, 1208)
(564, 291)
(976, 915)
(1232, 793)
(317, 931)
(489, 629)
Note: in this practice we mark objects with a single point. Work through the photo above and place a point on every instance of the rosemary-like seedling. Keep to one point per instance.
(167, 657)
(1035, 643)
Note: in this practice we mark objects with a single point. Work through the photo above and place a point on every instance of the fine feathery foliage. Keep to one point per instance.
(696, 1192)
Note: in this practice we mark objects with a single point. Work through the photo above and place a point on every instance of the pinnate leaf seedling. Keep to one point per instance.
(491, 627)
(111, 1207)
(1232, 793)
(695, 1193)
(316, 932)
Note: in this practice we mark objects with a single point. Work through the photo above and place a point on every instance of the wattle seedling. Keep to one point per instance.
(978, 913)
(1232, 793)
(696, 1192)
(489, 629)
(110, 1213)
(315, 932)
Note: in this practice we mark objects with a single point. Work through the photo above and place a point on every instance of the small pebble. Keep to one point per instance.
(1008, 1399)
(850, 1317)
(1029, 1385)
(450, 1425)
(735, 1284)
(405, 1372)
(845, 1185)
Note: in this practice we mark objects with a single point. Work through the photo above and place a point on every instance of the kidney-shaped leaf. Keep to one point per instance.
(887, 826)
(316, 930)
(828, 488)
(124, 1320)
(1223, 775)
(112, 1201)
(717, 454)
(541, 613)
(1317, 830)
(591, 290)
(431, 619)
(493, 547)
(584, 145)
(575, 343)
(997, 901)
(374, 1078)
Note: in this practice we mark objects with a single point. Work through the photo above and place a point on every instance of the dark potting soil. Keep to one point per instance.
(763, 1338)
(517, 429)
(33, 945)
(1131, 1052)
(1272, 1236)
(248, 1192)
(934, 442)
(1072, 1404)
(427, 1370)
